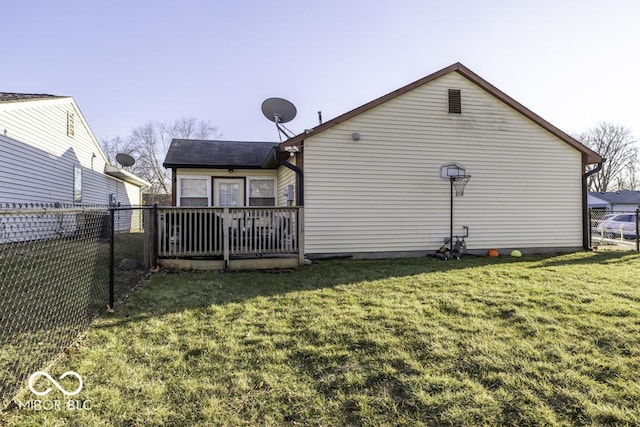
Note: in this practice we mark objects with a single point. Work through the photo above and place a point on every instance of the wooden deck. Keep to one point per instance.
(230, 238)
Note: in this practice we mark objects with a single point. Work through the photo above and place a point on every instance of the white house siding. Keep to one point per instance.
(27, 174)
(285, 177)
(383, 193)
(38, 157)
(43, 125)
(625, 207)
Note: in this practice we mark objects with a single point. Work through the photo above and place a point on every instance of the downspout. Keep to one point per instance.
(586, 227)
(299, 173)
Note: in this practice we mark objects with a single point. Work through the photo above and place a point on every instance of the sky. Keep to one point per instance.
(128, 62)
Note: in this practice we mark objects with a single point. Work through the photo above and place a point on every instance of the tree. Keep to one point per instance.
(617, 145)
(149, 143)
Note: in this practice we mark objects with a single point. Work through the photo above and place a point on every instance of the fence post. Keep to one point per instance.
(112, 242)
(637, 230)
(590, 234)
(155, 236)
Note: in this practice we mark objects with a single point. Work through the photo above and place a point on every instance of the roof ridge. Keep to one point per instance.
(20, 96)
(590, 155)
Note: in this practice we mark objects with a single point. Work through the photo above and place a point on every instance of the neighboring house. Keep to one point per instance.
(49, 154)
(51, 158)
(617, 201)
(370, 181)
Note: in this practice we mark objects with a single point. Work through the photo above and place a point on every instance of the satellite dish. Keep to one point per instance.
(124, 159)
(278, 110)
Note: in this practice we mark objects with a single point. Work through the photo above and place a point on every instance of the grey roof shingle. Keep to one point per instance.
(618, 197)
(198, 153)
(13, 97)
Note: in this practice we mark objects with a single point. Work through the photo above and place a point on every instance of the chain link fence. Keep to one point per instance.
(615, 229)
(60, 267)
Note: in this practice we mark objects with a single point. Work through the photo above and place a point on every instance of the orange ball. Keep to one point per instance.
(493, 253)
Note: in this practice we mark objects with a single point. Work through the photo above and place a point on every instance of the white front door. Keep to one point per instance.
(228, 192)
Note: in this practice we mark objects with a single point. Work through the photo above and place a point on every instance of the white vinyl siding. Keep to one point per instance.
(30, 175)
(43, 125)
(383, 193)
(286, 177)
(38, 157)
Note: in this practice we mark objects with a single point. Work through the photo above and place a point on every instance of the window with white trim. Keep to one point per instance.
(193, 191)
(262, 192)
(77, 184)
(229, 194)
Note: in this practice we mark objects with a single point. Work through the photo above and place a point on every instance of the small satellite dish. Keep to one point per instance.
(124, 159)
(278, 110)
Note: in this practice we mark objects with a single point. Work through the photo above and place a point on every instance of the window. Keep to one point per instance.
(70, 123)
(229, 194)
(262, 192)
(193, 191)
(455, 101)
(77, 184)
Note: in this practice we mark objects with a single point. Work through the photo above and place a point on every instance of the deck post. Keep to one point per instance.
(300, 227)
(226, 228)
(155, 235)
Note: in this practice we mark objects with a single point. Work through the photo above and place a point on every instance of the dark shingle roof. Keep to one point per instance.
(198, 153)
(13, 97)
(618, 197)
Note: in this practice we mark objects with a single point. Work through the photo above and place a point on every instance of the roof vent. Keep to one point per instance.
(455, 101)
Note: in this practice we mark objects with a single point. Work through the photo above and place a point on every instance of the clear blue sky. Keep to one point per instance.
(127, 62)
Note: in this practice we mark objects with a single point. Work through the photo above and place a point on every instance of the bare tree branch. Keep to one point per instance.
(618, 146)
(149, 143)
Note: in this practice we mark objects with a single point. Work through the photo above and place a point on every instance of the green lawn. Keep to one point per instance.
(50, 290)
(551, 340)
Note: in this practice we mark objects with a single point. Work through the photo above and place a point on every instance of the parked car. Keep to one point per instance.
(615, 225)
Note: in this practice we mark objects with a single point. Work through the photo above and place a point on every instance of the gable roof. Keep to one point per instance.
(9, 98)
(14, 99)
(627, 197)
(13, 96)
(200, 153)
(591, 156)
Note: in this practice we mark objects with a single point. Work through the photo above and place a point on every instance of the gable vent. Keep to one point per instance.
(71, 124)
(455, 101)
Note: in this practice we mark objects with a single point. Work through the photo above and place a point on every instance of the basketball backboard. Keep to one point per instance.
(452, 170)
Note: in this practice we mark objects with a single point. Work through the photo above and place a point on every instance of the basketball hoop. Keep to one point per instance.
(457, 176)
(459, 183)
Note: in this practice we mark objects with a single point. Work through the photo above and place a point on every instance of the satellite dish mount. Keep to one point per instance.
(279, 111)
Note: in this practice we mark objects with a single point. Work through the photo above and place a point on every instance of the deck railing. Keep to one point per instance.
(229, 232)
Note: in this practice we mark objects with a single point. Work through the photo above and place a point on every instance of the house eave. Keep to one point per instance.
(126, 176)
(206, 166)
